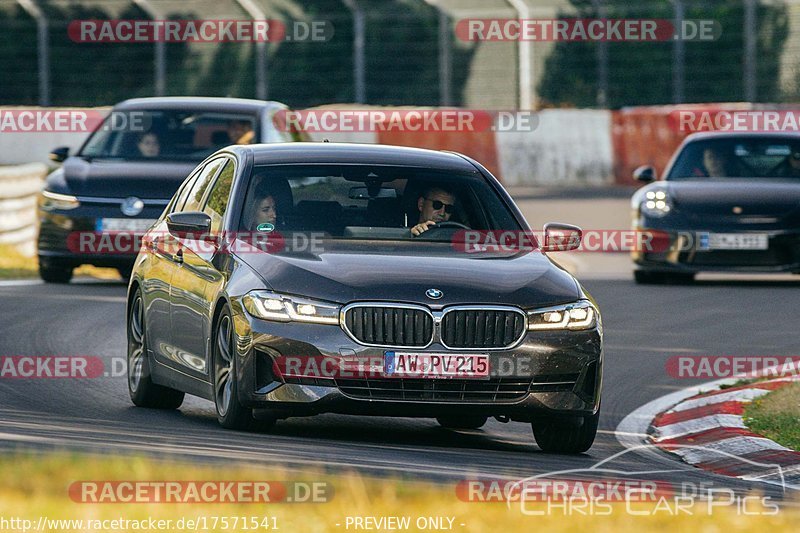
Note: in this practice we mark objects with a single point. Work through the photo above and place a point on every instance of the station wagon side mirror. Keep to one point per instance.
(59, 154)
(561, 237)
(190, 225)
(645, 174)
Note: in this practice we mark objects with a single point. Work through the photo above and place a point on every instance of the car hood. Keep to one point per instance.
(757, 197)
(403, 273)
(120, 179)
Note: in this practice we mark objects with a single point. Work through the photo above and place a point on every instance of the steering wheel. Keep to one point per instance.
(448, 224)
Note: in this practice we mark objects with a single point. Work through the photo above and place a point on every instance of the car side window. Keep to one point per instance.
(194, 201)
(218, 197)
(180, 197)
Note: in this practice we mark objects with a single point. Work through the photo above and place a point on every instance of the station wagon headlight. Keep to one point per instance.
(283, 308)
(575, 316)
(51, 201)
(656, 203)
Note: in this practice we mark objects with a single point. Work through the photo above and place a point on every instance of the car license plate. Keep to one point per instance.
(733, 241)
(436, 365)
(133, 225)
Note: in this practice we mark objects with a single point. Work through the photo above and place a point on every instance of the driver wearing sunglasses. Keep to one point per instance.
(435, 205)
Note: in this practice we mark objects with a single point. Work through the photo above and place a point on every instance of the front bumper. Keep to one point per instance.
(548, 373)
(686, 253)
(71, 237)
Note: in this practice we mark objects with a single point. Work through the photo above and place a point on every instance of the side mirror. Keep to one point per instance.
(561, 237)
(645, 174)
(59, 154)
(190, 225)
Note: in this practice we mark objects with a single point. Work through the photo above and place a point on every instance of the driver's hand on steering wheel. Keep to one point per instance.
(422, 227)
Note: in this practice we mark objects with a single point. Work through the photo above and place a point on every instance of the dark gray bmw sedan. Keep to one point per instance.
(294, 279)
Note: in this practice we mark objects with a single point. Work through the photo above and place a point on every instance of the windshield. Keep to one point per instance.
(168, 135)
(737, 157)
(366, 202)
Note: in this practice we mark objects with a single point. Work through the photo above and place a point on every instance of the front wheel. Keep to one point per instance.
(53, 271)
(231, 414)
(570, 436)
(143, 392)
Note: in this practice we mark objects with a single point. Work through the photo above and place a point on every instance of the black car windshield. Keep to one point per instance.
(738, 157)
(371, 202)
(168, 135)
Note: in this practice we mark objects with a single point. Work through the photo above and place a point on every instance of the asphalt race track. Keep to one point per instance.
(644, 327)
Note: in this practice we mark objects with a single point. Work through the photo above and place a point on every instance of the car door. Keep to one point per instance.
(157, 275)
(195, 277)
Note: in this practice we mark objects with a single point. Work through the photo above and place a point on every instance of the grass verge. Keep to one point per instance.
(777, 416)
(14, 265)
(37, 486)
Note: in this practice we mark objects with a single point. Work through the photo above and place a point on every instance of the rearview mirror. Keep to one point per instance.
(59, 154)
(645, 174)
(362, 193)
(190, 225)
(561, 237)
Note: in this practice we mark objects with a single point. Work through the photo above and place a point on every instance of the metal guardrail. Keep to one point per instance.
(19, 187)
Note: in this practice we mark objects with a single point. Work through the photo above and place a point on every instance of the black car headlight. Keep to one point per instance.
(51, 201)
(283, 308)
(656, 203)
(575, 316)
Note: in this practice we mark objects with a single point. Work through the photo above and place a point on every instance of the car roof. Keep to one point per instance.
(353, 153)
(241, 105)
(706, 135)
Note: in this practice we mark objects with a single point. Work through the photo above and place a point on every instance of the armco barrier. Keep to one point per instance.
(19, 186)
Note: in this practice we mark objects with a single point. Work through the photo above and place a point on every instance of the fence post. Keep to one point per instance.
(42, 48)
(445, 59)
(678, 57)
(359, 84)
(526, 97)
(750, 36)
(160, 57)
(262, 74)
(602, 58)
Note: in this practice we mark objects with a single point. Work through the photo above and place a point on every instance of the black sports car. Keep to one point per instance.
(94, 208)
(293, 279)
(729, 202)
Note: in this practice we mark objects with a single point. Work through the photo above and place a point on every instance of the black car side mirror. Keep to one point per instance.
(59, 154)
(561, 237)
(645, 174)
(192, 225)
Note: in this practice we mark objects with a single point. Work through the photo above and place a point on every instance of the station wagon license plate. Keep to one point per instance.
(133, 225)
(436, 365)
(733, 241)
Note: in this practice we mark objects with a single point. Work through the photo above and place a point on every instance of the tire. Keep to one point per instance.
(681, 278)
(555, 436)
(647, 277)
(462, 422)
(52, 271)
(231, 414)
(125, 273)
(145, 393)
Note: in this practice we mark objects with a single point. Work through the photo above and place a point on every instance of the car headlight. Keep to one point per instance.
(51, 201)
(282, 308)
(574, 316)
(656, 203)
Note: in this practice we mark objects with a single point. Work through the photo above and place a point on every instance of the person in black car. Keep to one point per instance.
(434, 205)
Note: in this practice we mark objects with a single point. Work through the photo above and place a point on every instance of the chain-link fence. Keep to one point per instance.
(403, 52)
